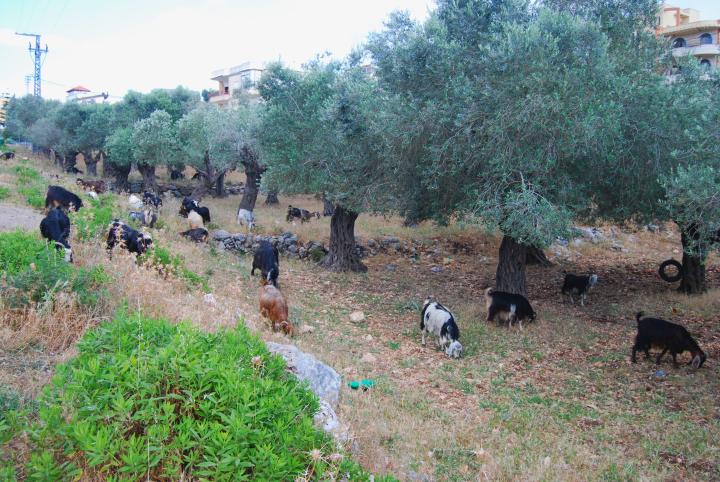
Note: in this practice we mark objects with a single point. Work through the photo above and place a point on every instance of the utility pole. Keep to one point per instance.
(38, 59)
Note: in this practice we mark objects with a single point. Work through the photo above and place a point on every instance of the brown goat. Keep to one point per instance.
(95, 186)
(273, 306)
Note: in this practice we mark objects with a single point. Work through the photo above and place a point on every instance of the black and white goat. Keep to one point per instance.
(654, 332)
(578, 285)
(508, 307)
(437, 320)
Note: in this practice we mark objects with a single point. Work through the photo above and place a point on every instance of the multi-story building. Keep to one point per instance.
(243, 77)
(84, 95)
(689, 35)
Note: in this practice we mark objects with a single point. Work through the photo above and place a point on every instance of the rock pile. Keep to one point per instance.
(286, 243)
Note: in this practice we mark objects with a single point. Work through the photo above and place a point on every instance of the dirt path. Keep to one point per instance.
(13, 217)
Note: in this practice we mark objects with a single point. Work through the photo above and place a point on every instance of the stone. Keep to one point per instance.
(306, 329)
(372, 243)
(292, 249)
(357, 316)
(594, 235)
(324, 381)
(390, 267)
(220, 235)
(436, 269)
(368, 358)
(209, 298)
(368, 338)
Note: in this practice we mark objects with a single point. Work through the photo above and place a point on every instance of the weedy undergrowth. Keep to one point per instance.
(148, 399)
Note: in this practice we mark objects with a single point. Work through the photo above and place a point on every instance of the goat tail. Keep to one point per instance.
(639, 315)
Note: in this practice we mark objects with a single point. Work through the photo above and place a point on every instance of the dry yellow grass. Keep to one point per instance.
(556, 401)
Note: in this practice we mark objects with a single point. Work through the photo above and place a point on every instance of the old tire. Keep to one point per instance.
(667, 277)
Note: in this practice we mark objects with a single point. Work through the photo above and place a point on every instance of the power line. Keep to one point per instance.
(38, 51)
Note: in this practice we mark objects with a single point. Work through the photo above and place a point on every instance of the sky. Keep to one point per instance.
(119, 45)
(116, 46)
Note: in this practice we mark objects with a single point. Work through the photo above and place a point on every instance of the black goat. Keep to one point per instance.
(199, 235)
(189, 204)
(654, 332)
(58, 196)
(578, 285)
(508, 307)
(267, 260)
(151, 199)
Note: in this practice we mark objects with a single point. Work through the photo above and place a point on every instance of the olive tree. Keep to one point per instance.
(92, 134)
(154, 143)
(212, 139)
(120, 156)
(322, 134)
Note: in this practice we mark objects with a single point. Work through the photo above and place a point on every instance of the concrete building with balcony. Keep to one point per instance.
(689, 35)
(243, 77)
(83, 95)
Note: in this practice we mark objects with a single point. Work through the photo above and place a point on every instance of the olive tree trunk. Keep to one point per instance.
(342, 255)
(253, 174)
(271, 198)
(120, 173)
(536, 256)
(693, 265)
(510, 274)
(328, 207)
(220, 185)
(148, 175)
(91, 163)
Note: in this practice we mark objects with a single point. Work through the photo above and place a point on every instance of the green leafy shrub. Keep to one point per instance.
(27, 175)
(95, 216)
(148, 399)
(4, 193)
(168, 264)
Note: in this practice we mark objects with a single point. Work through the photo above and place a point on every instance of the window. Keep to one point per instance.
(705, 39)
(705, 64)
(679, 43)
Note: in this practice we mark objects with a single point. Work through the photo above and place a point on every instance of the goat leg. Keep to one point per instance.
(423, 338)
(634, 358)
(657, 362)
(582, 299)
(675, 363)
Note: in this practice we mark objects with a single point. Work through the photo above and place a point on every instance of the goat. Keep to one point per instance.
(135, 202)
(151, 199)
(189, 204)
(121, 234)
(654, 332)
(195, 221)
(508, 307)
(148, 217)
(578, 285)
(246, 218)
(273, 306)
(58, 196)
(97, 186)
(199, 235)
(267, 260)
(437, 320)
(55, 227)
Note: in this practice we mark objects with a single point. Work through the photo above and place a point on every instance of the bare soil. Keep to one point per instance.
(14, 217)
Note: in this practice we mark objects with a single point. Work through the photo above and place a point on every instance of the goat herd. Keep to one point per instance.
(436, 320)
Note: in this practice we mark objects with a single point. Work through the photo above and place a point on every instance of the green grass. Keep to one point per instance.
(4, 193)
(31, 185)
(173, 265)
(148, 399)
(93, 219)
(34, 272)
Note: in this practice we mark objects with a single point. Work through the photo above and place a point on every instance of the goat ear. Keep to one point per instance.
(696, 362)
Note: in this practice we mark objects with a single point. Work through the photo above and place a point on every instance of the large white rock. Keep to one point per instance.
(323, 380)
